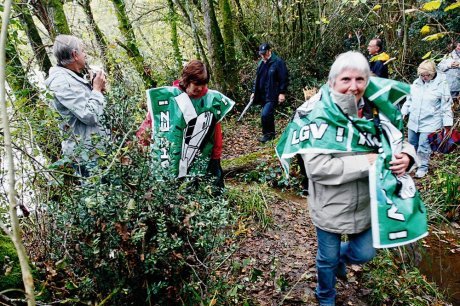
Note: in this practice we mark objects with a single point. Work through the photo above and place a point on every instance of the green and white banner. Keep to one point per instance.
(183, 128)
(398, 213)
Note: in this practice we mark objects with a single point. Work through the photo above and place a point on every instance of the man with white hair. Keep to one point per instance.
(79, 101)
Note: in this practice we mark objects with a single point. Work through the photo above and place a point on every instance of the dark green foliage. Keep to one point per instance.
(304, 72)
(10, 271)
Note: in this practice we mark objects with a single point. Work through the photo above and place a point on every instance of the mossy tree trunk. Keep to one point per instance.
(52, 16)
(215, 44)
(15, 233)
(172, 20)
(130, 44)
(230, 64)
(28, 104)
(33, 35)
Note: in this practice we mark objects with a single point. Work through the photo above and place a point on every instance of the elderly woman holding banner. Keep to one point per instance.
(337, 163)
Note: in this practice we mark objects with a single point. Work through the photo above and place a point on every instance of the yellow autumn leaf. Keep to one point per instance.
(431, 6)
(434, 37)
(425, 30)
(427, 55)
(376, 7)
(324, 20)
(452, 6)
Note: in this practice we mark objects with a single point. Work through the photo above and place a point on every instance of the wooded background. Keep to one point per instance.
(145, 43)
(126, 230)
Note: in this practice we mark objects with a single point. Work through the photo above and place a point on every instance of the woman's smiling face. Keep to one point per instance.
(351, 81)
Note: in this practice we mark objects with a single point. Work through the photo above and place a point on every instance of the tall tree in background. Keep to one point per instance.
(248, 41)
(101, 40)
(172, 20)
(52, 16)
(27, 103)
(215, 43)
(187, 11)
(24, 15)
(130, 44)
(230, 64)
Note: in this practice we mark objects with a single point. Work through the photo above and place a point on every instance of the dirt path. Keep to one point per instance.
(277, 266)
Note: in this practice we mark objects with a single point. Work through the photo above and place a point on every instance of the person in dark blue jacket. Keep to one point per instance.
(269, 88)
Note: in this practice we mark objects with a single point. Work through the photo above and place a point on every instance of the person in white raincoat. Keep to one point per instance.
(429, 107)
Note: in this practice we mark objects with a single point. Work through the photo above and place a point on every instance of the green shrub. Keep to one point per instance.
(252, 203)
(134, 235)
(396, 284)
(10, 273)
(441, 190)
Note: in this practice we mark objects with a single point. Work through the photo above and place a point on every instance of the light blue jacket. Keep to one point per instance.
(80, 107)
(429, 105)
(452, 73)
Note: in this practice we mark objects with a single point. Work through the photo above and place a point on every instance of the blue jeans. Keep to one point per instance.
(268, 118)
(333, 255)
(422, 146)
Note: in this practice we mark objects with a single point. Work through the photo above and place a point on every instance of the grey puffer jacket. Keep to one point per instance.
(80, 107)
(339, 199)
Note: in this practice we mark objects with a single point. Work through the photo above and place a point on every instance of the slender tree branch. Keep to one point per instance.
(15, 229)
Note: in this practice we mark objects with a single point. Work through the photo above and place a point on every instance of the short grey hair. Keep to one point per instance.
(352, 60)
(63, 47)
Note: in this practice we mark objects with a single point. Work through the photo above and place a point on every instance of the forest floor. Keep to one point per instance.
(278, 263)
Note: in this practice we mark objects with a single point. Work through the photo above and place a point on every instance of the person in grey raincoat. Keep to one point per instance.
(80, 102)
(339, 197)
(429, 107)
(450, 65)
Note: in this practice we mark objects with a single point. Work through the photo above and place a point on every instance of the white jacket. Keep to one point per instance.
(452, 73)
(429, 105)
(80, 107)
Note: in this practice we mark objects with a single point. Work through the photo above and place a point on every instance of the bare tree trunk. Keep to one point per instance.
(130, 44)
(404, 33)
(301, 29)
(34, 37)
(15, 233)
(101, 40)
(215, 43)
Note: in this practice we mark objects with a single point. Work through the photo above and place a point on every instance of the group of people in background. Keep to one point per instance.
(338, 183)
